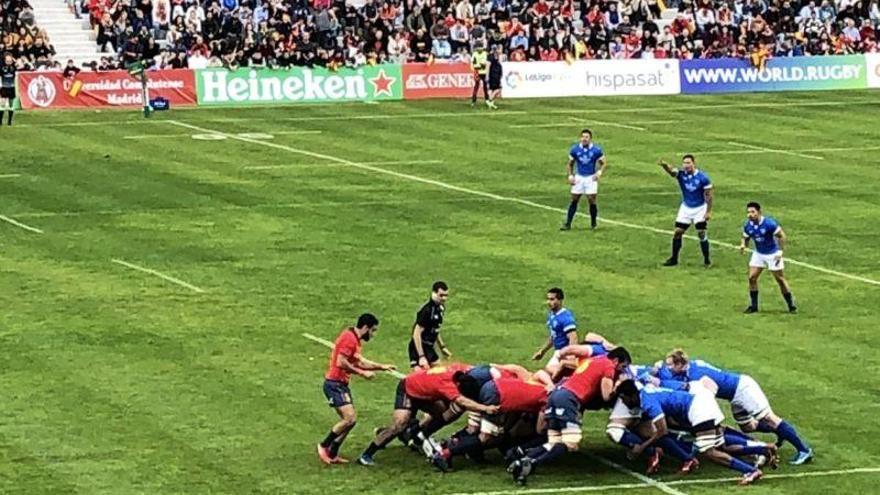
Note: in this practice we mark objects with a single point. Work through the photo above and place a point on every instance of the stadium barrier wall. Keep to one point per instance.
(872, 60)
(298, 85)
(50, 90)
(590, 78)
(437, 81)
(730, 75)
(219, 87)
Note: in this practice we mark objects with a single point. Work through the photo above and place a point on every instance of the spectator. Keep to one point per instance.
(70, 70)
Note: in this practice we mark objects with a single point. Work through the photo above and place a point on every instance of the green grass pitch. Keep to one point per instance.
(116, 381)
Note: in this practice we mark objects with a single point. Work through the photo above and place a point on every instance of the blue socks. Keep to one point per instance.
(557, 450)
(787, 432)
(572, 210)
(673, 447)
(740, 466)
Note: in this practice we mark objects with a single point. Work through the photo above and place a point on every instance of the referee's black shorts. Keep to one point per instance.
(430, 354)
(494, 83)
(7, 93)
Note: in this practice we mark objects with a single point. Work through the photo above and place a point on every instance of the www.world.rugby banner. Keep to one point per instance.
(730, 75)
(117, 88)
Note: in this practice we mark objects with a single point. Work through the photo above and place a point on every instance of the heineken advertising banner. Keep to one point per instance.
(298, 85)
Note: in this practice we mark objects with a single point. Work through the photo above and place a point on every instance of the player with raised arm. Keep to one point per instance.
(749, 405)
(696, 206)
(769, 241)
(583, 176)
(562, 327)
(346, 360)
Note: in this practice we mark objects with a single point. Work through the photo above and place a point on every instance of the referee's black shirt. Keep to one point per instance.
(430, 318)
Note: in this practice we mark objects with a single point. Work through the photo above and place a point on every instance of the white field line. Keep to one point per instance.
(808, 150)
(771, 150)
(160, 136)
(158, 274)
(9, 176)
(692, 481)
(20, 225)
(466, 114)
(659, 485)
(297, 165)
(451, 187)
(609, 124)
(326, 343)
(646, 482)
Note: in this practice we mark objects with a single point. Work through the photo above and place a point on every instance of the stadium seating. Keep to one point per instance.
(23, 38)
(259, 33)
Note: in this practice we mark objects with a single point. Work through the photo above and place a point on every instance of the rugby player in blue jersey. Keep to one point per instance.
(562, 327)
(697, 413)
(696, 206)
(769, 240)
(586, 164)
(749, 405)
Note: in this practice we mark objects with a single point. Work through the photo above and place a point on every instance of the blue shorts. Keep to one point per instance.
(489, 395)
(563, 408)
(338, 394)
(481, 373)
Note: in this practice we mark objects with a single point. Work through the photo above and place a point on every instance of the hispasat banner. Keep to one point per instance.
(437, 81)
(38, 90)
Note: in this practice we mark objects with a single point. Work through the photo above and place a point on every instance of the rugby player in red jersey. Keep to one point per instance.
(345, 360)
(591, 382)
(432, 391)
(517, 400)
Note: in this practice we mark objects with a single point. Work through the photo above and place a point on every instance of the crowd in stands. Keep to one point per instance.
(333, 33)
(21, 37)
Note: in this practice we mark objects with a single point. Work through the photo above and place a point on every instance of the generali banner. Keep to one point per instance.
(437, 81)
(103, 89)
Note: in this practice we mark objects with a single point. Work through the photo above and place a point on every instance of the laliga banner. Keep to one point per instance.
(873, 61)
(117, 88)
(437, 81)
(590, 78)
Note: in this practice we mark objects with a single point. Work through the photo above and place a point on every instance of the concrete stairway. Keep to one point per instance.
(71, 37)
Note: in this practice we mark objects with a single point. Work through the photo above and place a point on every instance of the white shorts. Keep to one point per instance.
(749, 401)
(767, 261)
(620, 411)
(703, 409)
(585, 185)
(554, 360)
(689, 215)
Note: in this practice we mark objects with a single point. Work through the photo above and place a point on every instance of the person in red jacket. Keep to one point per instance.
(346, 360)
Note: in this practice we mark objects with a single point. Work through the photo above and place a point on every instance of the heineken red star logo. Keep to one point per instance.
(382, 84)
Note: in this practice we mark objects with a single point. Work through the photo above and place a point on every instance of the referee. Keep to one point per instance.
(7, 87)
(495, 73)
(426, 330)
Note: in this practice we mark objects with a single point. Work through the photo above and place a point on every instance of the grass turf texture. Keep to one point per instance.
(118, 382)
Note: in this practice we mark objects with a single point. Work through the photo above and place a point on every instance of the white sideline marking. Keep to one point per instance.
(326, 343)
(451, 187)
(480, 114)
(296, 165)
(20, 225)
(601, 488)
(609, 124)
(771, 150)
(811, 150)
(160, 136)
(648, 482)
(158, 274)
(9, 176)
